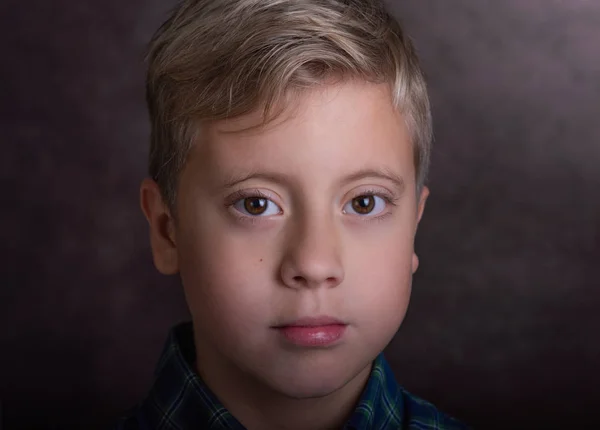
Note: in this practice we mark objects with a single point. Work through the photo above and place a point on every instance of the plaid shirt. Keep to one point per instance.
(180, 400)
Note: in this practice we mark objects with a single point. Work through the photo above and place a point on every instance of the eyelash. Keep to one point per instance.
(388, 198)
(257, 194)
(246, 194)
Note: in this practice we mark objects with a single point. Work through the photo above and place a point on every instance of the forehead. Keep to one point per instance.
(332, 129)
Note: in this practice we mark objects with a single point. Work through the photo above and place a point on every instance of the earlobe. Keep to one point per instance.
(162, 237)
(415, 263)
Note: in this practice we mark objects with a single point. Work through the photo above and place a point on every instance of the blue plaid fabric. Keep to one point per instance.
(180, 400)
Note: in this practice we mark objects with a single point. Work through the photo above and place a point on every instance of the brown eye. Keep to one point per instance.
(363, 204)
(255, 205)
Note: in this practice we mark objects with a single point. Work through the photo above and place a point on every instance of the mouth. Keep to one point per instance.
(319, 331)
(317, 321)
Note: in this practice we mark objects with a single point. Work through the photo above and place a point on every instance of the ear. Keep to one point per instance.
(420, 209)
(162, 228)
(422, 201)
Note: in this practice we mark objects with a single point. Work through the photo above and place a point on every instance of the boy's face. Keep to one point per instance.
(313, 215)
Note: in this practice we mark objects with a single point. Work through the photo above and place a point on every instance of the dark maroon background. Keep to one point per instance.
(503, 327)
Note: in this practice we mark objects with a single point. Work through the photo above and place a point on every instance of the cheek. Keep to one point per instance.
(383, 283)
(385, 255)
(386, 281)
(223, 278)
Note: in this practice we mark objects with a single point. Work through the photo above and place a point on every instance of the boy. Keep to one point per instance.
(290, 144)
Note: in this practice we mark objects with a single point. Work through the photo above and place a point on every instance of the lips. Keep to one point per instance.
(317, 331)
(313, 322)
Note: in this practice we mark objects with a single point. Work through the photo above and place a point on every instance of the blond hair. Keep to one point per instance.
(217, 59)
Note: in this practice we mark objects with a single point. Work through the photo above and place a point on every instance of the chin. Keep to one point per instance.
(312, 384)
(312, 389)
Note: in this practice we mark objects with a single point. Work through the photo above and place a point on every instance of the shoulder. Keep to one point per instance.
(420, 414)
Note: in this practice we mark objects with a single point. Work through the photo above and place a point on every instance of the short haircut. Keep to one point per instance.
(217, 59)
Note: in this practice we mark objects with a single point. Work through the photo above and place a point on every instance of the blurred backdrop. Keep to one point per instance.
(503, 327)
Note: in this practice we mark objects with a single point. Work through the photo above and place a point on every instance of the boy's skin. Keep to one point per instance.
(309, 254)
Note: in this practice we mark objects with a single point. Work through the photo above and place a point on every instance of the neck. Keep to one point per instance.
(258, 407)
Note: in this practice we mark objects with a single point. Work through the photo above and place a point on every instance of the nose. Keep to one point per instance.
(312, 257)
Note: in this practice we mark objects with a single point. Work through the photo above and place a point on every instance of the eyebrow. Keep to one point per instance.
(282, 178)
(380, 173)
